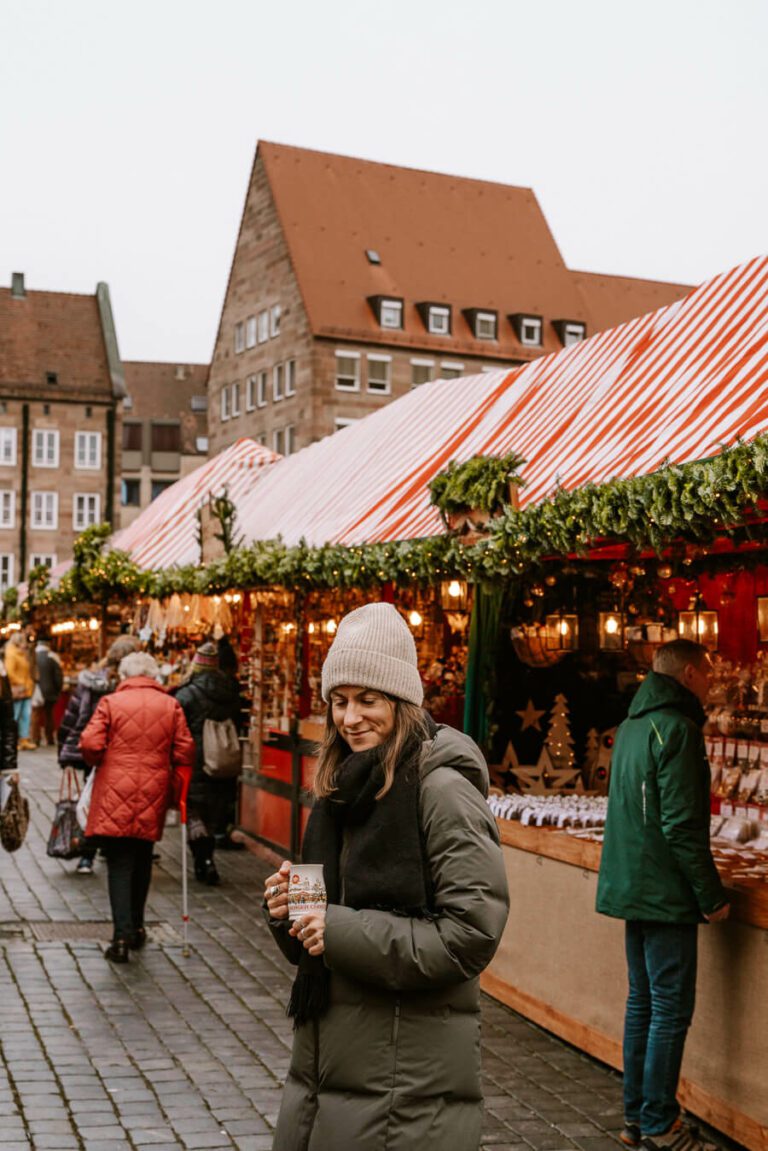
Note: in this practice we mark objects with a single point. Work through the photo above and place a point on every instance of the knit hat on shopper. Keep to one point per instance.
(206, 657)
(374, 648)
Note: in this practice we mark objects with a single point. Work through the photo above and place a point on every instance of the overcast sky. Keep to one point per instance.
(127, 131)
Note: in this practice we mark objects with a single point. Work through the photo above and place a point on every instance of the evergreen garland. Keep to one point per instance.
(687, 502)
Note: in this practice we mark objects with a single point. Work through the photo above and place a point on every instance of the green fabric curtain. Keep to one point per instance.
(481, 664)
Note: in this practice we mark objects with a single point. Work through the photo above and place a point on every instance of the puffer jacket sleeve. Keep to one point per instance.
(471, 901)
(95, 736)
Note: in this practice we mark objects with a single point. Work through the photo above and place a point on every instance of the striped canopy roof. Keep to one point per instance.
(679, 384)
(166, 533)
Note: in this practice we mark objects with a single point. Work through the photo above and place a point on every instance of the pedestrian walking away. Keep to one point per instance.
(50, 680)
(91, 685)
(657, 873)
(139, 743)
(22, 680)
(385, 1004)
(209, 694)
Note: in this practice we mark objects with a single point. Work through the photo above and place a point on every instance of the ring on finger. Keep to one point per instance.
(274, 891)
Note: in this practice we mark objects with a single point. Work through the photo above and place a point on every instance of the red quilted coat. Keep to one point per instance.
(139, 739)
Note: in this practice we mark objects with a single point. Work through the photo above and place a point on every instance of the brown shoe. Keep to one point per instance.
(27, 745)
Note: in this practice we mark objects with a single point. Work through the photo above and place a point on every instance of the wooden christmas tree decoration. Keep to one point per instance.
(559, 740)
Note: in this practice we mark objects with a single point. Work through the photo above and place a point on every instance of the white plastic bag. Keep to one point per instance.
(84, 802)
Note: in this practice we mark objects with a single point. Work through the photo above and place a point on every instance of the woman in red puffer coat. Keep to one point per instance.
(139, 739)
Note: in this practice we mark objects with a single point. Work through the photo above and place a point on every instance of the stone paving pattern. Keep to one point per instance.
(191, 1052)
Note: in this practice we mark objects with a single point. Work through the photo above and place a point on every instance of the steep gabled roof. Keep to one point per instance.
(441, 239)
(59, 332)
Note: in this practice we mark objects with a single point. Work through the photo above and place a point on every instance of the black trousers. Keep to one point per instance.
(129, 871)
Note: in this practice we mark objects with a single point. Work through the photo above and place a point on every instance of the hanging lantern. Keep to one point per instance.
(453, 595)
(561, 632)
(699, 625)
(610, 630)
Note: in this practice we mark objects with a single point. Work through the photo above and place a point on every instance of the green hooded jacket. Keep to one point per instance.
(656, 862)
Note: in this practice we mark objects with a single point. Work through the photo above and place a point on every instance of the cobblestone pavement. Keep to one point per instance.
(173, 1052)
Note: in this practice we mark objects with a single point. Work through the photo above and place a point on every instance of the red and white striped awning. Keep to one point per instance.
(679, 384)
(166, 533)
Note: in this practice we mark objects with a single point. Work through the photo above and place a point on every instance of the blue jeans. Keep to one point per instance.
(22, 713)
(661, 962)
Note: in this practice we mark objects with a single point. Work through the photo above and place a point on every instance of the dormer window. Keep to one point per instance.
(527, 329)
(372, 256)
(570, 331)
(436, 318)
(388, 311)
(484, 324)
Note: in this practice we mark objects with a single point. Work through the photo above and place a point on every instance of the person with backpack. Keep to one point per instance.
(211, 703)
(92, 686)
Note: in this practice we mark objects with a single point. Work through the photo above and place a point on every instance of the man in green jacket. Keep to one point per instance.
(657, 873)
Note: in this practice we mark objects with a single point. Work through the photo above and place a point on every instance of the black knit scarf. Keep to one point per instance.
(384, 865)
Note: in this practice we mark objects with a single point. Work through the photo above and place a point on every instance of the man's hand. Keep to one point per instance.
(721, 913)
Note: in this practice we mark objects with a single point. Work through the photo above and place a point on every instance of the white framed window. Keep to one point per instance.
(421, 371)
(7, 508)
(198, 404)
(289, 440)
(439, 320)
(88, 450)
(250, 332)
(573, 334)
(6, 571)
(530, 331)
(235, 408)
(485, 326)
(263, 332)
(379, 373)
(342, 422)
(45, 511)
(201, 445)
(224, 403)
(128, 403)
(274, 320)
(85, 510)
(391, 314)
(239, 338)
(42, 559)
(8, 439)
(290, 378)
(277, 383)
(277, 441)
(250, 393)
(261, 390)
(45, 448)
(451, 370)
(348, 371)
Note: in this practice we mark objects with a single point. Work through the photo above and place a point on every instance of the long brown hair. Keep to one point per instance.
(410, 720)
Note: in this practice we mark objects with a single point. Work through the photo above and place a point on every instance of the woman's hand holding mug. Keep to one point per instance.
(276, 892)
(310, 930)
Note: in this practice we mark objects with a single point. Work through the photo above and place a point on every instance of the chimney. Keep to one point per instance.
(17, 286)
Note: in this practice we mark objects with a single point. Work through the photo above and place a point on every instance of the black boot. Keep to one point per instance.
(211, 877)
(117, 952)
(137, 939)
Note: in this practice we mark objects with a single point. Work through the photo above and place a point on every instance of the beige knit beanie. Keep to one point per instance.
(374, 648)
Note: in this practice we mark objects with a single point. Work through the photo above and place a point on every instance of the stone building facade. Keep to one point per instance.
(61, 391)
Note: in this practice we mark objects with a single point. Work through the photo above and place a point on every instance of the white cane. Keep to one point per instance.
(184, 885)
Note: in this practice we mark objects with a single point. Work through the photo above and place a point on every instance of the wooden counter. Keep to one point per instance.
(562, 965)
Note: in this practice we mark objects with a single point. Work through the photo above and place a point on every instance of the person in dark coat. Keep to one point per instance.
(386, 1002)
(657, 873)
(90, 687)
(208, 694)
(50, 680)
(139, 742)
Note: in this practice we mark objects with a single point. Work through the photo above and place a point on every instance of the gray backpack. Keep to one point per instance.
(222, 750)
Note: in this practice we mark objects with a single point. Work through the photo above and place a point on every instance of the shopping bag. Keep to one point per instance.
(84, 802)
(67, 839)
(14, 818)
(222, 750)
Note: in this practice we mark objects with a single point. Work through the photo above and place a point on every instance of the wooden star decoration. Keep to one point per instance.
(544, 778)
(531, 716)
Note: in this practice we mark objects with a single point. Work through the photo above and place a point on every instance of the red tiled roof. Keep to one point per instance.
(613, 300)
(52, 332)
(441, 239)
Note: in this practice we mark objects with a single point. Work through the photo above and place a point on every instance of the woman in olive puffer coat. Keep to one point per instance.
(386, 1052)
